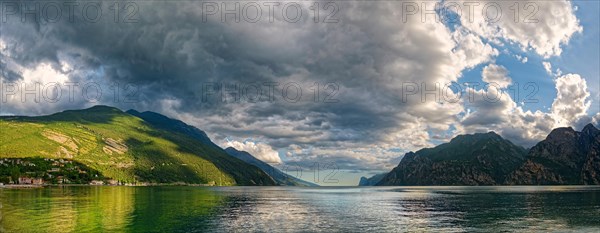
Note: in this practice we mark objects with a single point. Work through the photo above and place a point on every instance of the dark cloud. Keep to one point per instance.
(172, 55)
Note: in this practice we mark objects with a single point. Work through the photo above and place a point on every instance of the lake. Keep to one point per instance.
(293, 209)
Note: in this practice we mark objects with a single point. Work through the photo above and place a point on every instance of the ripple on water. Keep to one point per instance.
(292, 209)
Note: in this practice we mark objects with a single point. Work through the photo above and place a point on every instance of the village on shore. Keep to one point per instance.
(47, 171)
(39, 172)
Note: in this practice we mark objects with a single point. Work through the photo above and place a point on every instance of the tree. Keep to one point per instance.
(15, 173)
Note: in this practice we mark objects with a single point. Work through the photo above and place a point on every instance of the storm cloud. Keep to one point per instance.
(240, 81)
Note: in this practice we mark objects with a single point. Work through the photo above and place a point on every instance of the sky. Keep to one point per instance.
(328, 92)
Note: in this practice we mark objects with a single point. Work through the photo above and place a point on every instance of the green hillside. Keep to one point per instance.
(124, 147)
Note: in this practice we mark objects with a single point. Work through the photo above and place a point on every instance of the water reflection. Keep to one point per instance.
(66, 209)
(173, 209)
(293, 209)
(85, 209)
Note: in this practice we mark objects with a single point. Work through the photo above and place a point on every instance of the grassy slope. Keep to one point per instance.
(152, 155)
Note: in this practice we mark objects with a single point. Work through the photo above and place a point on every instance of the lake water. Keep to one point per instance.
(293, 209)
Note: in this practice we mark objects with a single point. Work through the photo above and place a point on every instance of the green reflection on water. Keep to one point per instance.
(107, 209)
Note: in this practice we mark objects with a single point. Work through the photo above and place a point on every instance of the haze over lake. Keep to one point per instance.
(297, 209)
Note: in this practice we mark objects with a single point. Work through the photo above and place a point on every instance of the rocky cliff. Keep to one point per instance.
(477, 159)
(564, 157)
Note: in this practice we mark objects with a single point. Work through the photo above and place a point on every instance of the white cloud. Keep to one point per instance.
(548, 67)
(558, 72)
(522, 59)
(542, 26)
(43, 74)
(496, 74)
(496, 111)
(40, 90)
(470, 50)
(596, 119)
(571, 102)
(3, 45)
(260, 151)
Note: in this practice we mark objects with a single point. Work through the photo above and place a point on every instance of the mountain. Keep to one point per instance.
(371, 181)
(166, 123)
(127, 146)
(564, 157)
(277, 175)
(477, 159)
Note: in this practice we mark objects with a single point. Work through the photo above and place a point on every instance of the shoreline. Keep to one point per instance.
(33, 186)
(21, 186)
(27, 186)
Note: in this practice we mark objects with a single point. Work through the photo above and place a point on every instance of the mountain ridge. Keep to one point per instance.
(565, 156)
(149, 147)
(470, 159)
(126, 147)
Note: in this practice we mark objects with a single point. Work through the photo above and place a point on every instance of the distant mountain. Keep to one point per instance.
(130, 147)
(477, 159)
(564, 157)
(371, 181)
(279, 177)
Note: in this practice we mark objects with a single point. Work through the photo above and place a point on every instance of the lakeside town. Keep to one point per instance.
(47, 171)
(38, 172)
